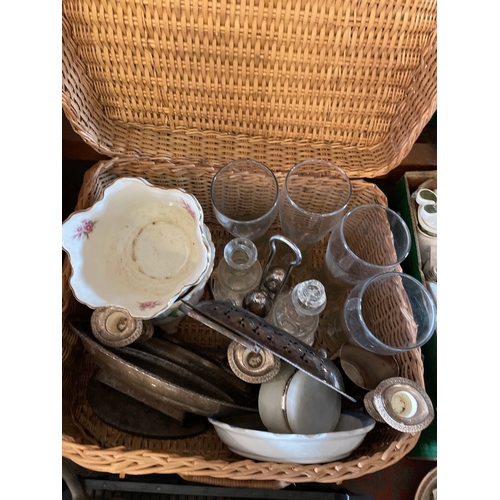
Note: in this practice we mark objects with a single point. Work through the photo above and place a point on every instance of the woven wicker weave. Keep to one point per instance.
(350, 81)
(177, 89)
(94, 445)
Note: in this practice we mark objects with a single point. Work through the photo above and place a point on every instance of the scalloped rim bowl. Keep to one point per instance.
(243, 436)
(140, 247)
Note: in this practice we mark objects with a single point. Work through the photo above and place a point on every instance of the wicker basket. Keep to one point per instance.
(175, 90)
(92, 444)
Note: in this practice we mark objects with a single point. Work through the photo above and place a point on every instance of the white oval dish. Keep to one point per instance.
(140, 247)
(245, 436)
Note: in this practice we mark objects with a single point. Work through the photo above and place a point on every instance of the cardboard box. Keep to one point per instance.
(401, 201)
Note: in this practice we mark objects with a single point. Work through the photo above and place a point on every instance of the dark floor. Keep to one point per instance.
(397, 482)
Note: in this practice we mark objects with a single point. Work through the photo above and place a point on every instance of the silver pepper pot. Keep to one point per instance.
(260, 301)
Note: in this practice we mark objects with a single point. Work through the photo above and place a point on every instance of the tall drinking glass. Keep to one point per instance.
(368, 240)
(244, 195)
(314, 196)
(387, 314)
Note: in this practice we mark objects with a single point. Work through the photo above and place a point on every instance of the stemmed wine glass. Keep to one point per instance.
(314, 196)
(244, 195)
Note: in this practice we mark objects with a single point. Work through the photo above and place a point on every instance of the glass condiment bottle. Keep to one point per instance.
(297, 311)
(238, 272)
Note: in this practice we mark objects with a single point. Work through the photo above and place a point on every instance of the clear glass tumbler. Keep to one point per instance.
(387, 314)
(368, 240)
(314, 197)
(244, 195)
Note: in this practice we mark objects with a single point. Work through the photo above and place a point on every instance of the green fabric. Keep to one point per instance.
(434, 120)
(426, 446)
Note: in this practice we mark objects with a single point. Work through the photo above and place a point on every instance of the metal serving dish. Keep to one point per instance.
(164, 385)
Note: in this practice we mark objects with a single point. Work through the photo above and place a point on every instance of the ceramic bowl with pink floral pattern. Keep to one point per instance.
(169, 319)
(140, 247)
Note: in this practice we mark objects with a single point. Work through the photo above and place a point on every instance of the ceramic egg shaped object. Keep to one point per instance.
(293, 402)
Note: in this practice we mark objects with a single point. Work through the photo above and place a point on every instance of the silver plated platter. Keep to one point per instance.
(166, 384)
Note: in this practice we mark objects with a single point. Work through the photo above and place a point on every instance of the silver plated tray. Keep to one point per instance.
(197, 364)
(165, 384)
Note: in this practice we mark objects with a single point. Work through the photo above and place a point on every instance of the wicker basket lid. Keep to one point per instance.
(354, 82)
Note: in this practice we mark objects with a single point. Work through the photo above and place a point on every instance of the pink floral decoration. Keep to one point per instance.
(187, 206)
(147, 305)
(84, 229)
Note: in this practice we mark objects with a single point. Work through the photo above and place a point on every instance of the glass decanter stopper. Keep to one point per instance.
(297, 312)
(238, 272)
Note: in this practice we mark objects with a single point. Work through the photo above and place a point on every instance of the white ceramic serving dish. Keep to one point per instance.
(246, 436)
(169, 320)
(140, 247)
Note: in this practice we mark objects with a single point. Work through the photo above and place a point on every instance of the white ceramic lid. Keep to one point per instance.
(311, 407)
(427, 211)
